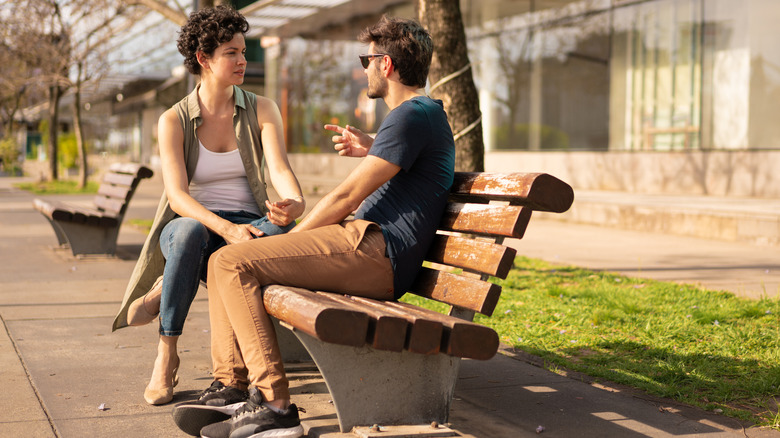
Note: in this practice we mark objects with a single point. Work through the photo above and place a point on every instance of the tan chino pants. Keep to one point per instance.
(344, 258)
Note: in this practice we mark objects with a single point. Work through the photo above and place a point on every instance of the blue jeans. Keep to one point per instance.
(186, 245)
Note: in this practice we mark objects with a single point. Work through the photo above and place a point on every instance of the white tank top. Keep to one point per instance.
(220, 183)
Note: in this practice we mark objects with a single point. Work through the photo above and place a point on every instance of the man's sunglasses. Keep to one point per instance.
(365, 60)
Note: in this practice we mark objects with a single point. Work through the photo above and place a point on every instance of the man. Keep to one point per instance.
(399, 190)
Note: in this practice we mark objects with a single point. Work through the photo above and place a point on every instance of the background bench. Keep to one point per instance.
(94, 230)
(392, 363)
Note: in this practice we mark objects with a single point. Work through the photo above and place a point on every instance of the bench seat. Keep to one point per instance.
(383, 325)
(64, 212)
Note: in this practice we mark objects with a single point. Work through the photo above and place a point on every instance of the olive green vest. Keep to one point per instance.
(151, 261)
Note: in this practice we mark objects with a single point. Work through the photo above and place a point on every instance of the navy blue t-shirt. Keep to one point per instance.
(408, 207)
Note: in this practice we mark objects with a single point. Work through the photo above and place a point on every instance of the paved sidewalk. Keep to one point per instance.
(66, 374)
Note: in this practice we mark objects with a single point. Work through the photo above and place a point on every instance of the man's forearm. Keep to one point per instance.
(332, 209)
(346, 198)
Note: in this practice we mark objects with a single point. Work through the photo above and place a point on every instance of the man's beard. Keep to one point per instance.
(377, 90)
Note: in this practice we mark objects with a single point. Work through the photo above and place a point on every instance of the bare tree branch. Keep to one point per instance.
(58, 46)
(177, 16)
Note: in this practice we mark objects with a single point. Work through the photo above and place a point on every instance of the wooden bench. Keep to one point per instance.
(94, 230)
(391, 363)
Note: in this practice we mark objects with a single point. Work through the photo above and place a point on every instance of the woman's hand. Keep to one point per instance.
(352, 142)
(235, 233)
(282, 213)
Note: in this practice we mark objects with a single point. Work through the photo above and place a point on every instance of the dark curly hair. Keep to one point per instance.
(205, 30)
(407, 43)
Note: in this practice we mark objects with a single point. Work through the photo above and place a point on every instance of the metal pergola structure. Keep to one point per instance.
(149, 47)
(152, 43)
(266, 15)
(288, 18)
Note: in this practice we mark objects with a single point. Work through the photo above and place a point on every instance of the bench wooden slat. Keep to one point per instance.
(461, 338)
(111, 205)
(468, 293)
(386, 331)
(472, 254)
(94, 220)
(317, 315)
(50, 210)
(539, 191)
(59, 211)
(111, 191)
(91, 217)
(97, 217)
(423, 335)
(118, 179)
(79, 216)
(486, 219)
(133, 169)
(61, 215)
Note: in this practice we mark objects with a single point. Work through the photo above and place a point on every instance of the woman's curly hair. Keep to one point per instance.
(205, 30)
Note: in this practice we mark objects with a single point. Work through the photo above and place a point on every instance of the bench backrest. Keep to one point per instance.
(118, 185)
(468, 250)
(483, 209)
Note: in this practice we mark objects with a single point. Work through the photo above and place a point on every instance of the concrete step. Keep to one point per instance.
(746, 220)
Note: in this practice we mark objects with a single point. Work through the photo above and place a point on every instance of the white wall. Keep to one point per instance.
(721, 173)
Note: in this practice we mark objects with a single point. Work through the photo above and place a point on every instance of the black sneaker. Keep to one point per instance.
(253, 420)
(215, 404)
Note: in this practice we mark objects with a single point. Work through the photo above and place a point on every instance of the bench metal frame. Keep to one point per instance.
(85, 239)
(370, 386)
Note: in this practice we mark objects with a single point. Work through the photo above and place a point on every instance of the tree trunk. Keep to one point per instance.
(444, 21)
(55, 92)
(16, 105)
(79, 132)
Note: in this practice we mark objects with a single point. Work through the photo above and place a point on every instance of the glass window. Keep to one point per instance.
(579, 75)
(542, 69)
(742, 74)
(321, 81)
(656, 76)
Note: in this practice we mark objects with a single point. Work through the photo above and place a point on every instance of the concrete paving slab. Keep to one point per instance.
(95, 310)
(21, 409)
(146, 425)
(77, 365)
(23, 428)
(747, 270)
(566, 407)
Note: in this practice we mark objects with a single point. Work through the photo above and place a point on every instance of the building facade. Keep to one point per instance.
(640, 96)
(651, 96)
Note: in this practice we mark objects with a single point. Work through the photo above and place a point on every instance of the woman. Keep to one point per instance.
(212, 146)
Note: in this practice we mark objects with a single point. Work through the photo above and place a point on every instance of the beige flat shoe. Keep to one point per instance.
(138, 312)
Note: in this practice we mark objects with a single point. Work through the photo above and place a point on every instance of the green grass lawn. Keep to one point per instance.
(705, 348)
(144, 225)
(58, 187)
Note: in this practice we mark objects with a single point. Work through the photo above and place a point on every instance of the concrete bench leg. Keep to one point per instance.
(291, 348)
(87, 239)
(62, 239)
(370, 386)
